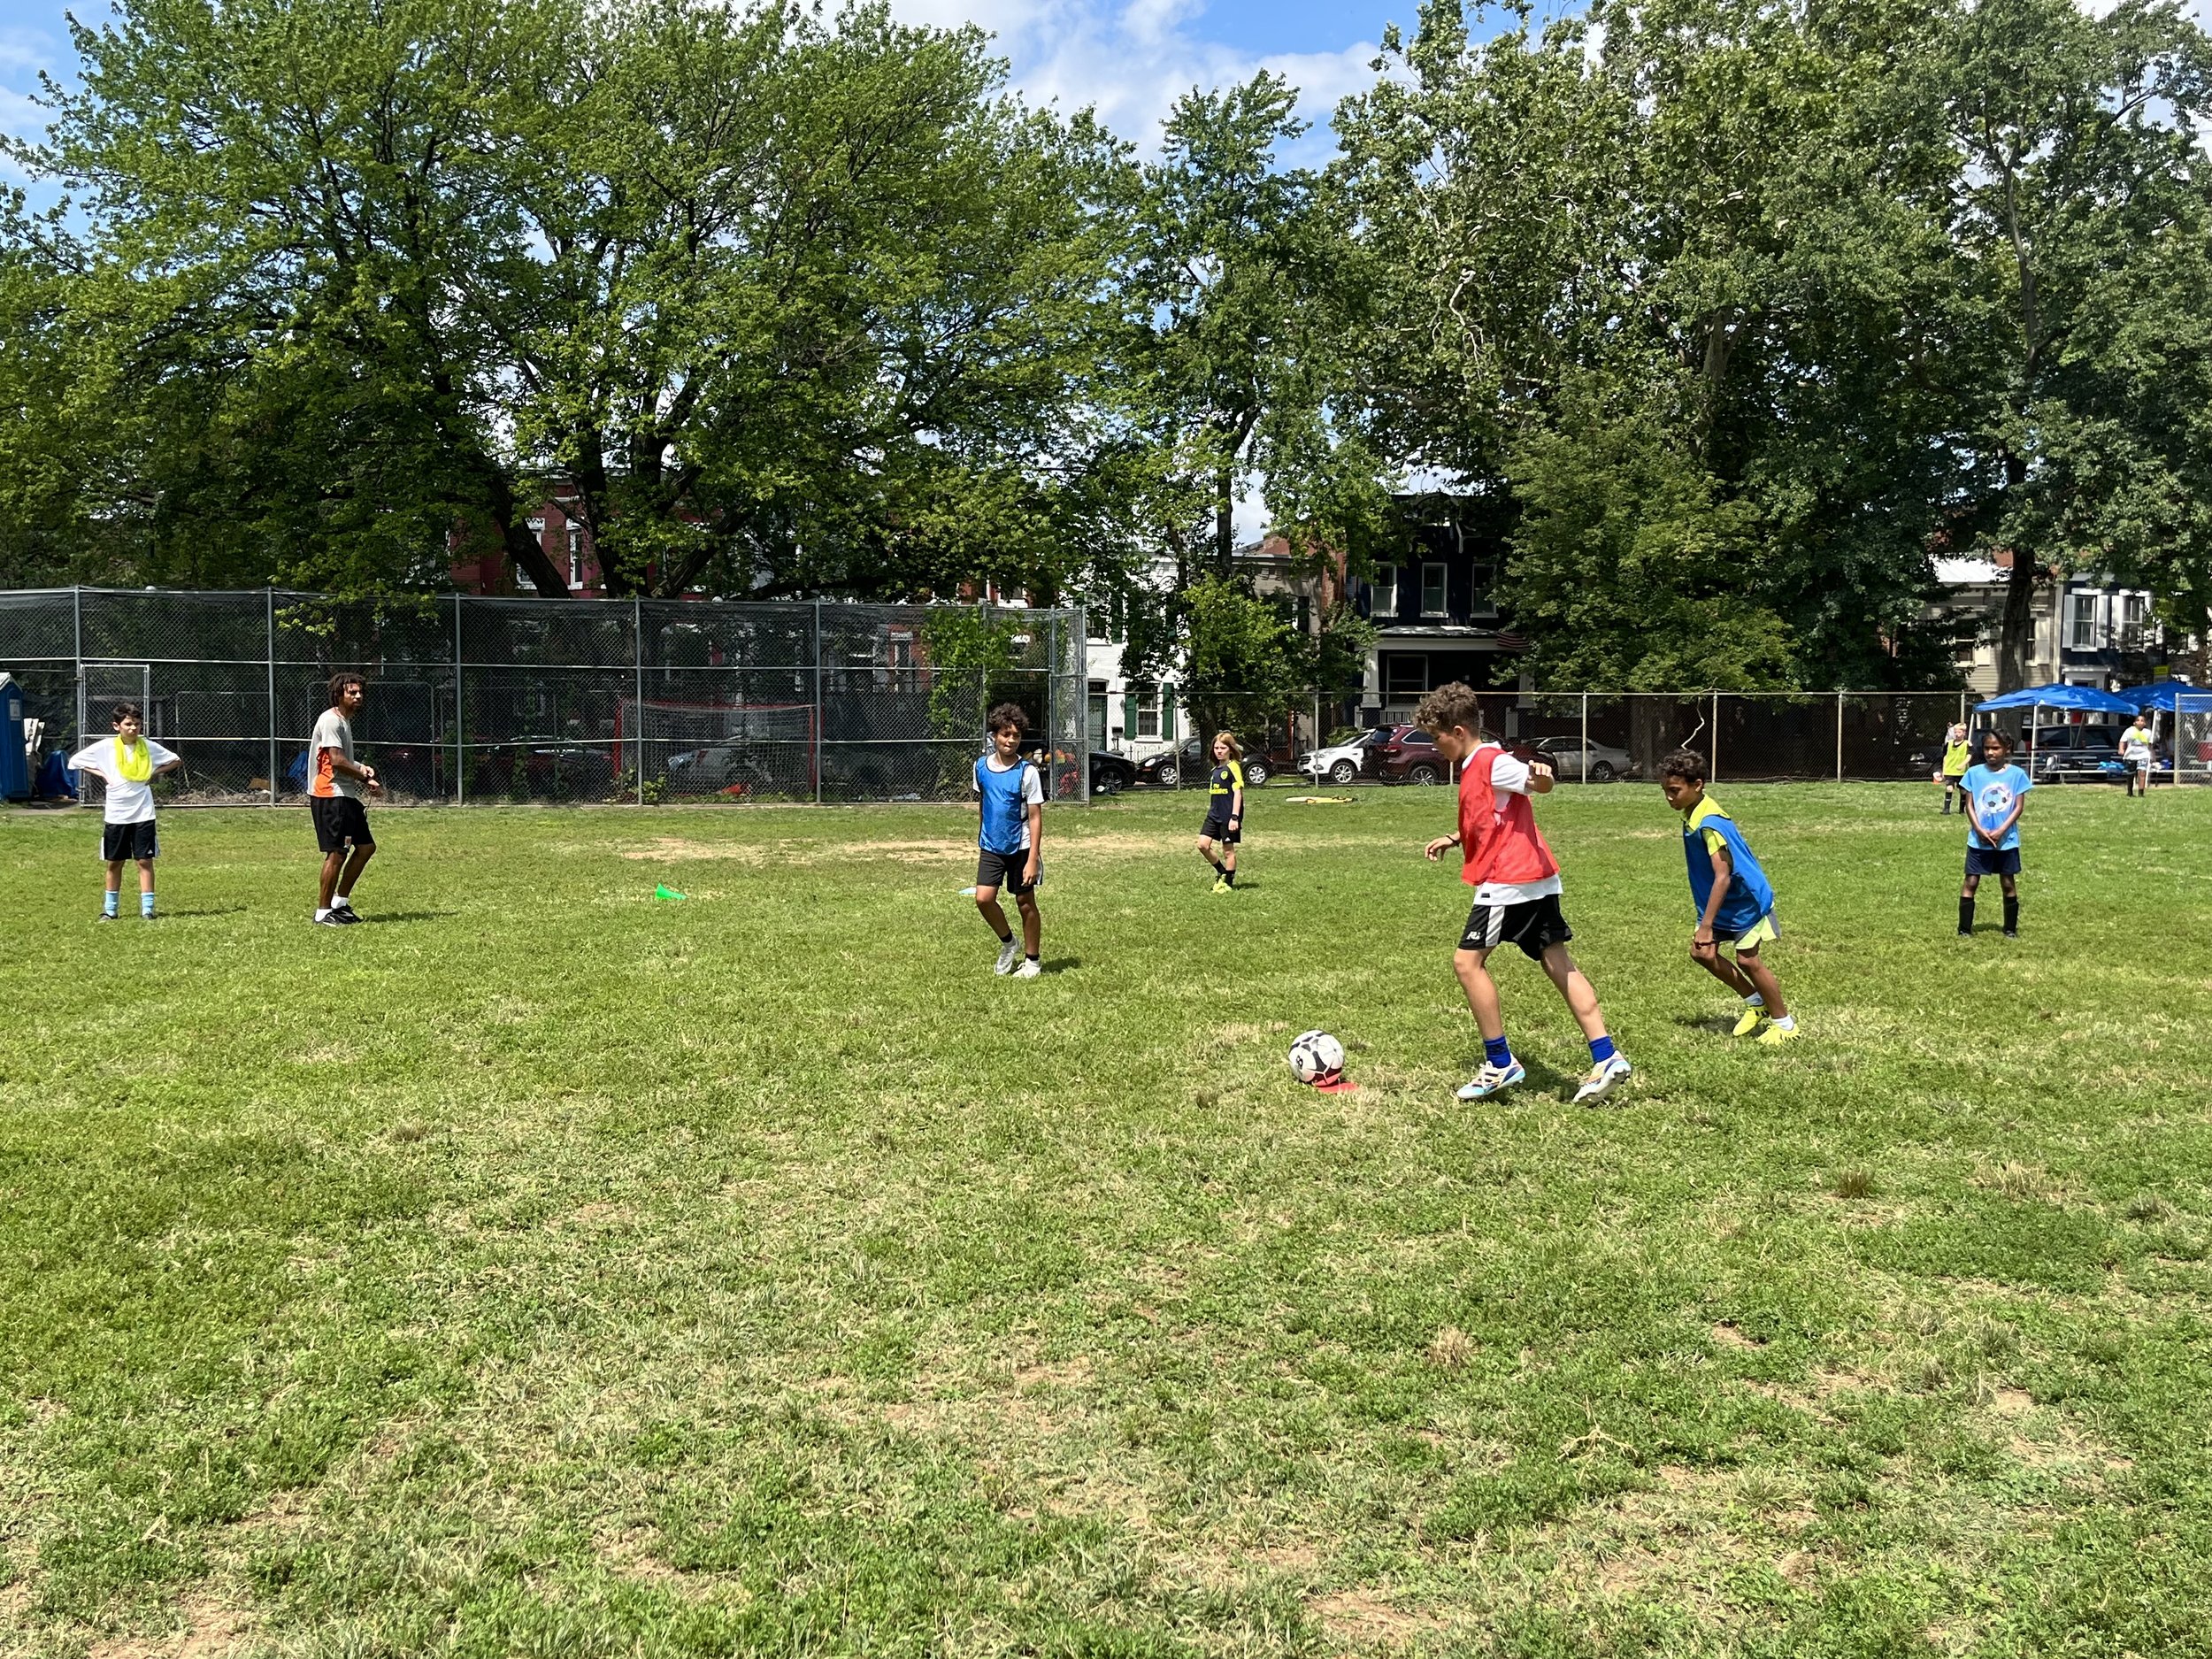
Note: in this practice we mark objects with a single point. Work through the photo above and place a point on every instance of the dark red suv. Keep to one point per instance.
(1406, 753)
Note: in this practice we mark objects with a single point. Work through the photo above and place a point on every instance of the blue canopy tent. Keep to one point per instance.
(2165, 694)
(2059, 696)
(2054, 695)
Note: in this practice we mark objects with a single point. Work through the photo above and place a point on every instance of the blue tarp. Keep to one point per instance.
(2164, 693)
(2058, 697)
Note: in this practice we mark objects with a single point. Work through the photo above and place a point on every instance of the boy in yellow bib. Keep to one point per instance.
(127, 763)
(1958, 755)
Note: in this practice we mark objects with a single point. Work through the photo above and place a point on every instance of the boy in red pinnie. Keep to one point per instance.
(1516, 881)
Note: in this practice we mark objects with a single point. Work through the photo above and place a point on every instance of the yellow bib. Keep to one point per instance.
(134, 763)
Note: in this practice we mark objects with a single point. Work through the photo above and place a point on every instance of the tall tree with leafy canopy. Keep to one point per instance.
(785, 302)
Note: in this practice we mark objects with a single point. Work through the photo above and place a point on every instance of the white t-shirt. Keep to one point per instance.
(1510, 777)
(127, 803)
(2135, 745)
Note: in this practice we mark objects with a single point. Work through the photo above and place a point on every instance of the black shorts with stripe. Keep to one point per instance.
(118, 842)
(340, 822)
(1534, 924)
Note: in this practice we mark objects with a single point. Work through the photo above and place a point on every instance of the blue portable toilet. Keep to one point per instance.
(15, 763)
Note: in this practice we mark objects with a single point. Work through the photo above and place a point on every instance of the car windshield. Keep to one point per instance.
(1344, 736)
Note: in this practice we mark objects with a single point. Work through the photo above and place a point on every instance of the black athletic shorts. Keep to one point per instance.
(1004, 870)
(1535, 926)
(1986, 861)
(340, 821)
(118, 842)
(1216, 828)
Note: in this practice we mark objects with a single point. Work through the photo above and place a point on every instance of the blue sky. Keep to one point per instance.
(1129, 58)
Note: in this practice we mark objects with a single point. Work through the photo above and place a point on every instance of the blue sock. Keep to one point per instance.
(1600, 1051)
(109, 902)
(1495, 1051)
(145, 904)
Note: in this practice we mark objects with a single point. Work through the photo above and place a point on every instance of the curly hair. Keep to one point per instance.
(1449, 706)
(1686, 763)
(1004, 714)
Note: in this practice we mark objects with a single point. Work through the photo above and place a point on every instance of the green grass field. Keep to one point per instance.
(544, 1270)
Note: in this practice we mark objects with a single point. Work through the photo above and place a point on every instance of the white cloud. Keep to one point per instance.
(1131, 61)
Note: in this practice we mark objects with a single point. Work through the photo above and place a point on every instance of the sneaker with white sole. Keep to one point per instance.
(1030, 969)
(1602, 1078)
(1492, 1080)
(1748, 1021)
(1008, 954)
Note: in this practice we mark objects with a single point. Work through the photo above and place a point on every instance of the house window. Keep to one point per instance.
(1484, 579)
(1433, 591)
(2135, 621)
(2081, 633)
(898, 650)
(1382, 603)
(1145, 705)
(1404, 676)
(575, 556)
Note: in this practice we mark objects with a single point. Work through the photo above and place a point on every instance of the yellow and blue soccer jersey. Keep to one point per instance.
(1228, 778)
(1707, 830)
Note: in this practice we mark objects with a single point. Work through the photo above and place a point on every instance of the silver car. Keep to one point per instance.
(1569, 757)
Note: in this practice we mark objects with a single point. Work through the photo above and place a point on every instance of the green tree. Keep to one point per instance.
(787, 304)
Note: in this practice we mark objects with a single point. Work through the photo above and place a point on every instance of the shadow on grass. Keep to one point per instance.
(217, 910)
(1721, 1023)
(1062, 965)
(377, 919)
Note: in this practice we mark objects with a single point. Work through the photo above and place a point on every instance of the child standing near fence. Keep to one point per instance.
(127, 763)
(1958, 755)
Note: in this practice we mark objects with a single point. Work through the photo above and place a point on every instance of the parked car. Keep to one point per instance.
(1406, 753)
(1190, 759)
(542, 769)
(730, 769)
(1568, 757)
(2074, 754)
(1111, 774)
(1346, 754)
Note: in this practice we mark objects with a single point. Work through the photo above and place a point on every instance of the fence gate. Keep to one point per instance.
(100, 687)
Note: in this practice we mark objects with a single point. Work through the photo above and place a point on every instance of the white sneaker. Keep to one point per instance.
(1008, 954)
(1603, 1076)
(1492, 1080)
(1029, 970)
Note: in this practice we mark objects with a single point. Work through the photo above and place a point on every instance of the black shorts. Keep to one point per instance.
(1535, 926)
(118, 842)
(1984, 861)
(1216, 828)
(1004, 870)
(340, 821)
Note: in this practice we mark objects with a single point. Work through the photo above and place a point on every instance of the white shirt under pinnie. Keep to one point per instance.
(333, 735)
(1510, 777)
(128, 801)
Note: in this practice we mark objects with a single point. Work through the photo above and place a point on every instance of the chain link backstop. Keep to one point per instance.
(481, 699)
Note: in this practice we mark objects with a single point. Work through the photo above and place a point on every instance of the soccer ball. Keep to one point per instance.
(1315, 1057)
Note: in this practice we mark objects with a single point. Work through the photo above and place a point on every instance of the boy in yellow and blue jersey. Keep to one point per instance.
(1734, 899)
(1224, 811)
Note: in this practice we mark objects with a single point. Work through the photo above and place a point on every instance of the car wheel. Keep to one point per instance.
(1601, 773)
(1423, 774)
(1106, 783)
(1256, 772)
(1167, 776)
(1343, 772)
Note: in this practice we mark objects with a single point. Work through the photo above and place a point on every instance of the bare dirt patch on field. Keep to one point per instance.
(211, 1630)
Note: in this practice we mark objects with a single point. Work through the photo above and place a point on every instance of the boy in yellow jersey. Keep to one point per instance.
(128, 763)
(1224, 811)
(1958, 755)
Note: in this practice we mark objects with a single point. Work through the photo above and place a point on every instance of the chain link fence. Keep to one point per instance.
(1586, 737)
(476, 699)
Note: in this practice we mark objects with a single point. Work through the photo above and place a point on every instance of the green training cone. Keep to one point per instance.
(664, 891)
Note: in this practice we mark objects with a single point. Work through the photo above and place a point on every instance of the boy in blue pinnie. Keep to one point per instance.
(1010, 841)
(1996, 791)
(1734, 899)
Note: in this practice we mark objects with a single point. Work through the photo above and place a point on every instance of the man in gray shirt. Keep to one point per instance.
(334, 783)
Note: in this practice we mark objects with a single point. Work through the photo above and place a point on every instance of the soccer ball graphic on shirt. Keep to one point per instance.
(1993, 802)
(1315, 1057)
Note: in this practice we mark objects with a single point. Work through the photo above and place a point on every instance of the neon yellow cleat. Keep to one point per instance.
(1775, 1036)
(1750, 1022)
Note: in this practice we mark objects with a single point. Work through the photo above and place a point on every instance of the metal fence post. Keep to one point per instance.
(273, 706)
(637, 655)
(1838, 737)
(1582, 774)
(817, 703)
(1713, 765)
(460, 715)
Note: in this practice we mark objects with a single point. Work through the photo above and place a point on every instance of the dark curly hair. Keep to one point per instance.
(1004, 714)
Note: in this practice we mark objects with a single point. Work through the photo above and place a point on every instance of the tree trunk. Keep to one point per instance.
(2015, 638)
(1224, 519)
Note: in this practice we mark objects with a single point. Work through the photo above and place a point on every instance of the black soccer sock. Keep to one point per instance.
(1228, 875)
(1966, 916)
(2012, 914)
